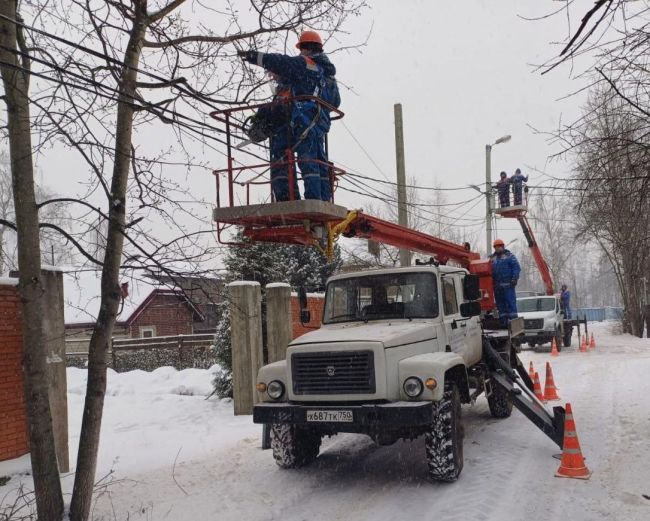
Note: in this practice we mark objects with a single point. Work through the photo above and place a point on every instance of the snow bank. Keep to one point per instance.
(164, 380)
(8, 281)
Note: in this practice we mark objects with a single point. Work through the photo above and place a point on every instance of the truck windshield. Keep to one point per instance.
(377, 297)
(535, 304)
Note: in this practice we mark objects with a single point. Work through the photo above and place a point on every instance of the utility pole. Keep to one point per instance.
(488, 191)
(488, 199)
(402, 212)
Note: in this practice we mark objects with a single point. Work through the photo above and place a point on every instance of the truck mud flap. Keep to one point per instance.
(522, 397)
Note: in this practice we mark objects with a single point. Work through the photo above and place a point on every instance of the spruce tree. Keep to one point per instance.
(265, 263)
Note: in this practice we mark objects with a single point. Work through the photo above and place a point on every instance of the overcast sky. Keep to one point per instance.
(464, 73)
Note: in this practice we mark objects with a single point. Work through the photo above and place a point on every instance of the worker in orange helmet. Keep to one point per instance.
(309, 74)
(505, 274)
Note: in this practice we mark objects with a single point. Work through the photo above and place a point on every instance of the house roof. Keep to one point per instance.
(81, 295)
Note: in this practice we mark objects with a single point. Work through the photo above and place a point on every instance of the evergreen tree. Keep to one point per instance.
(266, 263)
(294, 264)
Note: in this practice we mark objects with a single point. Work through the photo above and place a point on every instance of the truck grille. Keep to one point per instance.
(338, 372)
(533, 323)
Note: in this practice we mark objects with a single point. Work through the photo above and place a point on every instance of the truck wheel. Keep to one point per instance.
(531, 344)
(444, 438)
(292, 446)
(566, 341)
(499, 402)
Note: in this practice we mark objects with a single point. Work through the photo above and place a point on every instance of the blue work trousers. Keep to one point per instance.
(309, 147)
(517, 188)
(504, 197)
(506, 300)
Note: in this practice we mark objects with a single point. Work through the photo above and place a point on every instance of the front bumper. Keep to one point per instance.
(365, 417)
(538, 335)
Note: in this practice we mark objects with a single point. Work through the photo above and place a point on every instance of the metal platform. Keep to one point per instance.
(511, 211)
(283, 213)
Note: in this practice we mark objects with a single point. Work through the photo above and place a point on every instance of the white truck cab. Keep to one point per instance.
(542, 319)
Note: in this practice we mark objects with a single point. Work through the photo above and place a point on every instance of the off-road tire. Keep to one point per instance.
(292, 446)
(499, 402)
(566, 340)
(444, 438)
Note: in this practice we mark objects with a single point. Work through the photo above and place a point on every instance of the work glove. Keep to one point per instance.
(248, 56)
(513, 283)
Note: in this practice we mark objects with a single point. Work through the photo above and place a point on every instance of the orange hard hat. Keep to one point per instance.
(309, 37)
(498, 242)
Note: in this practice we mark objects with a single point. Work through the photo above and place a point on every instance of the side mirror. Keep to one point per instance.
(305, 315)
(470, 309)
(302, 297)
(471, 288)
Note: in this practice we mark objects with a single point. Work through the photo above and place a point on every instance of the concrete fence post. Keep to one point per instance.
(54, 330)
(246, 342)
(278, 320)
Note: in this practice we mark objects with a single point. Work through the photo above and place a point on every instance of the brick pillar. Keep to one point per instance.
(13, 417)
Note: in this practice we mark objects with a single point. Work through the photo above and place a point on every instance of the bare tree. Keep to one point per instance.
(15, 73)
(142, 62)
(610, 149)
(55, 249)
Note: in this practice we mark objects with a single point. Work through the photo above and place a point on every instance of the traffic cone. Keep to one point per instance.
(554, 351)
(531, 371)
(550, 391)
(572, 464)
(592, 343)
(583, 344)
(537, 388)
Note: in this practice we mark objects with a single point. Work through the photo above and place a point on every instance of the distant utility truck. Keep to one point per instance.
(544, 320)
(398, 353)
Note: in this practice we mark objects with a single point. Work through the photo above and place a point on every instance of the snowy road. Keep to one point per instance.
(222, 474)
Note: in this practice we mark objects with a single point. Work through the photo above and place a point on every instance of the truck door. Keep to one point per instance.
(455, 328)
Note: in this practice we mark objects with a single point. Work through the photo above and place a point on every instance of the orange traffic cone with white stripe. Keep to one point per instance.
(572, 464)
(550, 391)
(583, 344)
(554, 351)
(592, 343)
(531, 371)
(537, 388)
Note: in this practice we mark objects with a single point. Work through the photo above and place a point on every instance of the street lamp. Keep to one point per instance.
(488, 189)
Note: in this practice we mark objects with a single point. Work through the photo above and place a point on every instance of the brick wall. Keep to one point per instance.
(167, 313)
(13, 420)
(315, 306)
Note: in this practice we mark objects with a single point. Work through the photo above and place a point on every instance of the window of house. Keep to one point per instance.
(147, 332)
(450, 303)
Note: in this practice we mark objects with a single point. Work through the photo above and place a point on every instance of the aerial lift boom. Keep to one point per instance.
(320, 223)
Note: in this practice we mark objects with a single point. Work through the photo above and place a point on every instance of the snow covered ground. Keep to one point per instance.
(176, 456)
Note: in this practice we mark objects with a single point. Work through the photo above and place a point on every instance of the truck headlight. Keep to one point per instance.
(413, 387)
(275, 389)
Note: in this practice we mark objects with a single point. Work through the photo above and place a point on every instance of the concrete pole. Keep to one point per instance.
(54, 329)
(246, 342)
(278, 320)
(402, 211)
(488, 199)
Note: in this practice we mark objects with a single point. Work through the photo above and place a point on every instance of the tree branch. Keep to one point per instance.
(154, 17)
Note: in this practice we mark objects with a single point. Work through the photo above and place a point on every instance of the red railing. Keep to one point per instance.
(237, 175)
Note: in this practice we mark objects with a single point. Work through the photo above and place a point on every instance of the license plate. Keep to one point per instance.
(329, 416)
